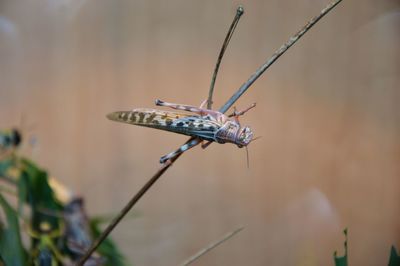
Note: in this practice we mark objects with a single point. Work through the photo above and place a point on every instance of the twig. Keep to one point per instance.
(211, 246)
(239, 13)
(125, 210)
(276, 55)
(223, 109)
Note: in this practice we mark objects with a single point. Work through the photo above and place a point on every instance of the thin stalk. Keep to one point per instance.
(278, 53)
(223, 109)
(211, 247)
(239, 13)
(126, 209)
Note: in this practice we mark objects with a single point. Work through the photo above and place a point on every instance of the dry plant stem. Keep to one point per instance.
(239, 13)
(276, 55)
(211, 246)
(223, 109)
(126, 209)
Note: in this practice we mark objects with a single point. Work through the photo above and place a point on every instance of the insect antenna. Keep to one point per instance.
(247, 151)
(247, 157)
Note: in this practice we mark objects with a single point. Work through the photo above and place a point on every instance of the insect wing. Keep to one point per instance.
(198, 126)
(191, 125)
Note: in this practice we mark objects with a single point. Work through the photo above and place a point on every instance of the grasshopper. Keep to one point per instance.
(205, 124)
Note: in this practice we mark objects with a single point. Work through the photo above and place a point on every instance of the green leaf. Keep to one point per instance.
(342, 261)
(39, 195)
(22, 185)
(5, 165)
(12, 251)
(2, 261)
(107, 248)
(394, 257)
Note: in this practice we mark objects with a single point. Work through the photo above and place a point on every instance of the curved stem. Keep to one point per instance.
(278, 53)
(239, 13)
(126, 209)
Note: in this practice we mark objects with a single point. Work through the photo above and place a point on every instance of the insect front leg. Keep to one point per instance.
(181, 149)
(205, 145)
(236, 114)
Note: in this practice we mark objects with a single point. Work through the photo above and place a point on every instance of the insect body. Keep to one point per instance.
(45, 252)
(205, 124)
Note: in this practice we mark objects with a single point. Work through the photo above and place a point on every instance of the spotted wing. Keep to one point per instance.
(191, 125)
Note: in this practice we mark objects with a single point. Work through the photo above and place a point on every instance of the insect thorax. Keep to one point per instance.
(233, 133)
(228, 132)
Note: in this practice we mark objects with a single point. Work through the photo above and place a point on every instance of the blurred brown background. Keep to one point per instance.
(328, 112)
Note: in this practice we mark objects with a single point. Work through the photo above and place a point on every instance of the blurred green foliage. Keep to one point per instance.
(107, 248)
(394, 259)
(342, 261)
(11, 248)
(45, 222)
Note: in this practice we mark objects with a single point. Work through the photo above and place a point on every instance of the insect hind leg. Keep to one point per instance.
(188, 145)
(200, 111)
(183, 107)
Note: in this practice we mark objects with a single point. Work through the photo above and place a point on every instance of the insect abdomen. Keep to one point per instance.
(175, 122)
